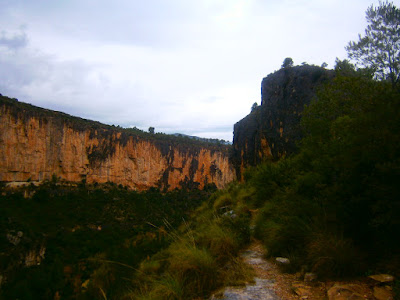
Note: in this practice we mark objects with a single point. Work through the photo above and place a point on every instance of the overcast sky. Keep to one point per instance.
(193, 67)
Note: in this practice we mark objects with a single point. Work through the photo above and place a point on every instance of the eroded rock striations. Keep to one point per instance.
(37, 144)
(272, 129)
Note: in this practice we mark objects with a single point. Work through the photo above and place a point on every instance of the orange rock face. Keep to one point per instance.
(36, 146)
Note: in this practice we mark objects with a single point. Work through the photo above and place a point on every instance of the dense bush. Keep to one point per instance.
(93, 237)
(336, 204)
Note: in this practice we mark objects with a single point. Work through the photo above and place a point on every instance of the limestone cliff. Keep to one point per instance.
(36, 144)
(273, 129)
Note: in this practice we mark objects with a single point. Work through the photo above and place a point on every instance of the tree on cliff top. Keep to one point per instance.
(379, 49)
(254, 106)
(287, 63)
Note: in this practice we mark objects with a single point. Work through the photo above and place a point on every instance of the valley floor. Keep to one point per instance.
(270, 283)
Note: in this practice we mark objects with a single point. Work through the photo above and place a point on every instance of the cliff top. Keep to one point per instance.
(26, 111)
(302, 79)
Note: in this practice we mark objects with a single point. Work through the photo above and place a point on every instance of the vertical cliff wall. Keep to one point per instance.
(273, 129)
(36, 144)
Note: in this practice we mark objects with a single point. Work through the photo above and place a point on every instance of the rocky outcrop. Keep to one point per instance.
(38, 144)
(272, 129)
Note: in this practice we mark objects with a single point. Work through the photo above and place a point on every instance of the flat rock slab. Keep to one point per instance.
(261, 290)
(255, 259)
(383, 278)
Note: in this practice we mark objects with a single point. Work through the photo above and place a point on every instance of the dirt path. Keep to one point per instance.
(271, 284)
(285, 286)
(263, 286)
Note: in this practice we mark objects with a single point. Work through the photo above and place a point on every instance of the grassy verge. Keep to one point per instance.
(203, 254)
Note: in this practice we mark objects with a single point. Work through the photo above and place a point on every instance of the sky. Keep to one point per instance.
(180, 66)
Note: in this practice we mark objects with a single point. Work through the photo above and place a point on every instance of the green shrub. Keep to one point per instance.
(237, 272)
(195, 267)
(148, 267)
(334, 256)
(220, 241)
(169, 287)
(223, 201)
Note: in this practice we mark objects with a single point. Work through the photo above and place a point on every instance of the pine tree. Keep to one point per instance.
(379, 49)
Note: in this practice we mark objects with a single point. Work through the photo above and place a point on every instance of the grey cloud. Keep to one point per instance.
(30, 74)
(16, 41)
(181, 66)
(150, 23)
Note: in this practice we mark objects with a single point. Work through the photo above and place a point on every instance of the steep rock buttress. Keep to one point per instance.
(272, 129)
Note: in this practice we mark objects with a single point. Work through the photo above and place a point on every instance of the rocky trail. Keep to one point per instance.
(270, 283)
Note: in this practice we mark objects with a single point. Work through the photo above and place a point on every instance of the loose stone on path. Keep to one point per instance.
(270, 283)
(261, 289)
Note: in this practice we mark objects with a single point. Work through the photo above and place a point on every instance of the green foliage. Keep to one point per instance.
(396, 289)
(336, 203)
(287, 63)
(379, 49)
(195, 264)
(267, 179)
(220, 241)
(92, 235)
(346, 69)
(223, 201)
(333, 255)
(106, 242)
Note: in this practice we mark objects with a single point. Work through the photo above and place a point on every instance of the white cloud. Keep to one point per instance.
(180, 66)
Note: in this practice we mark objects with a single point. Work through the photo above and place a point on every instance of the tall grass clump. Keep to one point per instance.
(195, 267)
(203, 254)
(221, 241)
